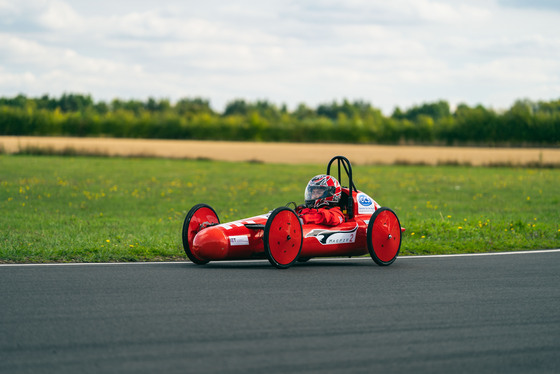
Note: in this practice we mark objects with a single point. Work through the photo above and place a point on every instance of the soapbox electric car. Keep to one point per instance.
(281, 237)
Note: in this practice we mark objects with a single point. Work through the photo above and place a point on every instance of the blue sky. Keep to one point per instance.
(388, 53)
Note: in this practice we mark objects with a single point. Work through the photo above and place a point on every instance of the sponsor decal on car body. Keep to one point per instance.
(366, 205)
(327, 237)
(238, 240)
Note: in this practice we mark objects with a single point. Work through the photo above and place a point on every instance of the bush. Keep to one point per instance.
(525, 123)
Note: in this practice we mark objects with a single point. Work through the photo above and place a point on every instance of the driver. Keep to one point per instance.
(322, 195)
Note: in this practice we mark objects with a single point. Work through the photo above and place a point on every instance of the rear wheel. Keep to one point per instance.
(384, 236)
(199, 217)
(283, 237)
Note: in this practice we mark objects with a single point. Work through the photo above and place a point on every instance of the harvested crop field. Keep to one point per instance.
(290, 153)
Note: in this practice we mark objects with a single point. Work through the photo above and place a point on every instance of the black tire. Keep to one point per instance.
(384, 236)
(283, 237)
(187, 235)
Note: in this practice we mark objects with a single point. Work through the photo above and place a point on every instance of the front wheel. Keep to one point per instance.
(199, 217)
(384, 236)
(283, 237)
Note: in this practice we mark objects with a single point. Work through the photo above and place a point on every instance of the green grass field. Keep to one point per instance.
(94, 209)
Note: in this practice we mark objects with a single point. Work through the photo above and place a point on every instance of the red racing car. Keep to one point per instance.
(283, 238)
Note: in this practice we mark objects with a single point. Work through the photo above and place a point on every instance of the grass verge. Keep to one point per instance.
(97, 209)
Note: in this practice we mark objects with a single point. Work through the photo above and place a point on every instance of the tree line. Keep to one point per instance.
(526, 122)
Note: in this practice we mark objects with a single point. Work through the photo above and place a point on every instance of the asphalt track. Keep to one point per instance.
(460, 314)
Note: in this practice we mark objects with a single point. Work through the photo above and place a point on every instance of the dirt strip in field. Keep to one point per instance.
(290, 153)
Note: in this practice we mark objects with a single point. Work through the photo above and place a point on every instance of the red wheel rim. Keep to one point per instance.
(200, 219)
(386, 238)
(285, 237)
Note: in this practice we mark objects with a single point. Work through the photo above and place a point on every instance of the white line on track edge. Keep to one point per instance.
(318, 258)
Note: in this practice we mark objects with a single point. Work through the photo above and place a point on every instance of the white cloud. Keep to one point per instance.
(448, 13)
(60, 16)
(387, 52)
(7, 7)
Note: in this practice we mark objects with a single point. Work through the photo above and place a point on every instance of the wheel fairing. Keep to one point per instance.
(384, 236)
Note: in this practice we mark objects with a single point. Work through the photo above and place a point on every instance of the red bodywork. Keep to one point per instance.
(234, 241)
(281, 237)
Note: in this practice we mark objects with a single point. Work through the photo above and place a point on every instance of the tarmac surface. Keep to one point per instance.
(460, 314)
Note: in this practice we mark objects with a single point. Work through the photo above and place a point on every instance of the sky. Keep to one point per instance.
(397, 53)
